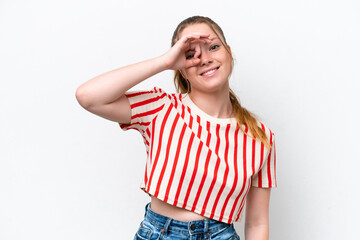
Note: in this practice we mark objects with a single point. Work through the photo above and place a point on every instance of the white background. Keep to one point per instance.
(68, 174)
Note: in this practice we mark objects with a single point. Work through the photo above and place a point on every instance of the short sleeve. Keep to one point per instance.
(145, 105)
(266, 176)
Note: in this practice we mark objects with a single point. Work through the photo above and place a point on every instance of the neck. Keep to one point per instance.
(215, 104)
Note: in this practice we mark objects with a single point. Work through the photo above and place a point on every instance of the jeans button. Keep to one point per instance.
(192, 227)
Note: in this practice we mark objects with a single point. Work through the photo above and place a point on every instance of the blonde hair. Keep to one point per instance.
(243, 116)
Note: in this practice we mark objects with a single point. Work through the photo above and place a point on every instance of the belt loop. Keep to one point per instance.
(206, 225)
(166, 226)
(147, 206)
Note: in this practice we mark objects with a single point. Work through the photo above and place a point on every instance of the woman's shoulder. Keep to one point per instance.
(153, 92)
(263, 125)
(268, 131)
(160, 95)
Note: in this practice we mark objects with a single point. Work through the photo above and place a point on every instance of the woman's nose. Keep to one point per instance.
(204, 58)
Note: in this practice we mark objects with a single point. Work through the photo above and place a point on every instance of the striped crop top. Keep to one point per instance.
(195, 161)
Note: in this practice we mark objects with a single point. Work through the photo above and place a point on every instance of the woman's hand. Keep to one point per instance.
(104, 94)
(185, 52)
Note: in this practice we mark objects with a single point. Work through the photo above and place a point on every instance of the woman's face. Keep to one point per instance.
(212, 73)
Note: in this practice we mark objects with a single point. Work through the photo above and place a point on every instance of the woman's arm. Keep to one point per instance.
(257, 214)
(104, 94)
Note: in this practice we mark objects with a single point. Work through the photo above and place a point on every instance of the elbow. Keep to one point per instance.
(83, 97)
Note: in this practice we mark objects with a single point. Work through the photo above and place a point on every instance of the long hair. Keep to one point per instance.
(243, 116)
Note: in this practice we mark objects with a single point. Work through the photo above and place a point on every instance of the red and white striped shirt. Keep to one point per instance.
(196, 161)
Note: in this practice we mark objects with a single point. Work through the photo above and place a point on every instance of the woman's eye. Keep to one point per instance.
(214, 47)
(189, 56)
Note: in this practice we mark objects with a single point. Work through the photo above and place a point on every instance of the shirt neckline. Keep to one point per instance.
(196, 110)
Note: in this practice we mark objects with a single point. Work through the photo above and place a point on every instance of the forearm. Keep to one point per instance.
(256, 232)
(109, 86)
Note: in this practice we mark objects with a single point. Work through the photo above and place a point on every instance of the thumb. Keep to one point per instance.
(195, 61)
(192, 62)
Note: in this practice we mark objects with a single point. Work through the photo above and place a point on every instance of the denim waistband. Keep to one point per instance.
(190, 227)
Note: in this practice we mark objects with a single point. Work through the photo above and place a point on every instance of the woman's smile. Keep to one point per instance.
(209, 72)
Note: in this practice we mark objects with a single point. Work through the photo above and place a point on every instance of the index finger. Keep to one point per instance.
(195, 36)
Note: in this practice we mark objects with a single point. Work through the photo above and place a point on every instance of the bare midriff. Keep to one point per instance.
(174, 212)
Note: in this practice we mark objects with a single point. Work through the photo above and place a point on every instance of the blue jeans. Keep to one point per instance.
(156, 226)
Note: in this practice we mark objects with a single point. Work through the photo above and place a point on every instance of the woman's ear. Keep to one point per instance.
(229, 50)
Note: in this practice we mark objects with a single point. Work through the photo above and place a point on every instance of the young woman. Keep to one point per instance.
(206, 153)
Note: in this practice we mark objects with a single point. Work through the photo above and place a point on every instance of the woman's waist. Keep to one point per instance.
(174, 212)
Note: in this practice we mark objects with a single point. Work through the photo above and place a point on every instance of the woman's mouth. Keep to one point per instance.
(209, 72)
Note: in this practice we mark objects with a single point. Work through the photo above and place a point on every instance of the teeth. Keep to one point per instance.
(209, 72)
